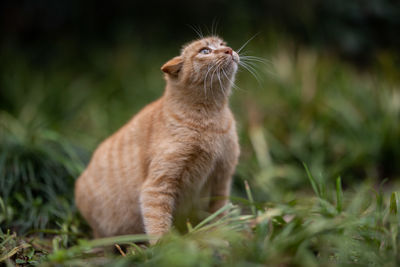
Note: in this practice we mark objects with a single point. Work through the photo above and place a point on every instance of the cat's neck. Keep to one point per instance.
(196, 102)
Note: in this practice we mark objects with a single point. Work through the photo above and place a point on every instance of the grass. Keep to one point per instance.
(316, 185)
(354, 229)
(37, 172)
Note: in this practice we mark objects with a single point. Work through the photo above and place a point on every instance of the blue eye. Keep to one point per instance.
(205, 51)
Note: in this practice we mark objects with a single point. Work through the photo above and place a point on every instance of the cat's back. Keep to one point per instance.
(120, 150)
(117, 170)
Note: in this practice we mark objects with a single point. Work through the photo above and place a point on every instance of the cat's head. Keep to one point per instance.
(203, 62)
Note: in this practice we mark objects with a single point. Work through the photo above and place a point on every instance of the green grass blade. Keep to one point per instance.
(123, 239)
(14, 251)
(137, 249)
(213, 216)
(4, 210)
(394, 203)
(189, 226)
(339, 195)
(394, 220)
(250, 197)
(312, 180)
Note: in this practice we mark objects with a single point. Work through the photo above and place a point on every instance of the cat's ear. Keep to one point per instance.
(173, 66)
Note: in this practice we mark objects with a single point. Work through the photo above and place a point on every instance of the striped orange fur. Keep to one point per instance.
(174, 158)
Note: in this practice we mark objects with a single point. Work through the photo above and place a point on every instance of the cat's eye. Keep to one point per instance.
(205, 51)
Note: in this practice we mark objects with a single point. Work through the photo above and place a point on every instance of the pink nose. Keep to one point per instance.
(228, 50)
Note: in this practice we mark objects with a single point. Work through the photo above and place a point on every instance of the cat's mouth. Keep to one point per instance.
(235, 57)
(231, 62)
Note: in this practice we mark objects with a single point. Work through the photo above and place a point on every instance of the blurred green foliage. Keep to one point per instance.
(316, 110)
(72, 76)
(351, 230)
(306, 106)
(37, 173)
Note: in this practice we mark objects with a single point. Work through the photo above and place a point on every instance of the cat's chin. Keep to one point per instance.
(232, 67)
(235, 58)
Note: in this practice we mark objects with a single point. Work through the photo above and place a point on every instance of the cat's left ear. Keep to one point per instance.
(173, 66)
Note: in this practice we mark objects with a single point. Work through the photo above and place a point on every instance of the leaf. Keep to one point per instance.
(20, 261)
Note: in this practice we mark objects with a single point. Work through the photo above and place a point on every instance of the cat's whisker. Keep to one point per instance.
(205, 80)
(244, 45)
(214, 27)
(249, 56)
(257, 59)
(253, 61)
(212, 67)
(251, 65)
(212, 75)
(220, 66)
(220, 83)
(232, 82)
(251, 69)
(244, 53)
(217, 71)
(197, 30)
(212, 81)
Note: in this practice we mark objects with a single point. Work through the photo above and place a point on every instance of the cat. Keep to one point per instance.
(173, 159)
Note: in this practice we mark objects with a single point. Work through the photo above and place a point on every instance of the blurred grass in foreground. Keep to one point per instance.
(308, 108)
(351, 230)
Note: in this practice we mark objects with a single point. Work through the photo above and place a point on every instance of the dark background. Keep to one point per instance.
(355, 29)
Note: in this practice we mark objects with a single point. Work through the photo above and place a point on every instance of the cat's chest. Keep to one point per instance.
(208, 142)
(195, 197)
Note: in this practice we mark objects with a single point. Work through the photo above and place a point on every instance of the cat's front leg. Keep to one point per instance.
(157, 200)
(220, 189)
(173, 174)
(221, 186)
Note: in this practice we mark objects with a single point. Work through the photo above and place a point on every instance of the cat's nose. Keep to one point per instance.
(228, 50)
(225, 50)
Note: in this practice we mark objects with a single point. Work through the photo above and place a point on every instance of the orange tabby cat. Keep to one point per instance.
(177, 152)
